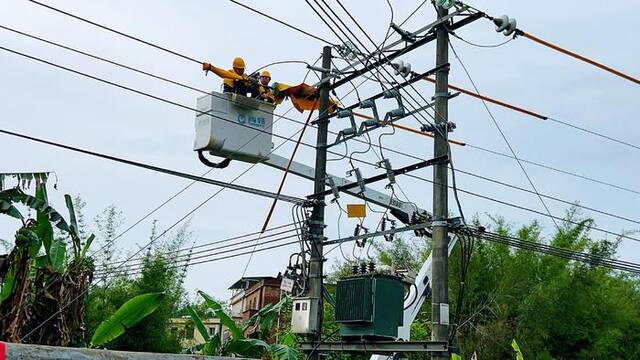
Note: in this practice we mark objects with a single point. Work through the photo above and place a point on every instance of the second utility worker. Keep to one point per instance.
(264, 90)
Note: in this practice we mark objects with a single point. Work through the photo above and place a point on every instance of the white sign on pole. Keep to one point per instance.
(286, 285)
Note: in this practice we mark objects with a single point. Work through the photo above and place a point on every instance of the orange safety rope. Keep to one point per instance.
(579, 57)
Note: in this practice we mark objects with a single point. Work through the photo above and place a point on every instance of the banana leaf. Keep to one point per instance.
(246, 347)
(57, 255)
(7, 208)
(44, 230)
(129, 314)
(236, 332)
(516, 349)
(73, 225)
(11, 196)
(283, 352)
(7, 286)
(86, 246)
(212, 347)
(198, 322)
(265, 316)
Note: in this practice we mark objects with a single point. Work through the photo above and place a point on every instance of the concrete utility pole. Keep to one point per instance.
(316, 222)
(440, 272)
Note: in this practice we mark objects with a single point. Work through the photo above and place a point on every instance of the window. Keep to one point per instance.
(297, 306)
(212, 331)
(304, 306)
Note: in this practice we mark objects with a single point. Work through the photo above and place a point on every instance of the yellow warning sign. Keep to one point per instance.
(356, 210)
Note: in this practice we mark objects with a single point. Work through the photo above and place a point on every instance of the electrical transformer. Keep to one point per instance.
(370, 306)
(234, 126)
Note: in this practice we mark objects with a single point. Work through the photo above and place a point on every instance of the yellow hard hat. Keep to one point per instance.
(238, 63)
(265, 73)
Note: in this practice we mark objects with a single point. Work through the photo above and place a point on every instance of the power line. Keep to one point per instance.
(207, 180)
(502, 202)
(158, 237)
(413, 13)
(227, 257)
(451, 86)
(87, 289)
(548, 197)
(490, 151)
(118, 32)
(502, 134)
(536, 114)
(189, 213)
(590, 259)
(282, 22)
(177, 252)
(579, 57)
(554, 169)
(223, 184)
(203, 253)
(139, 92)
(494, 101)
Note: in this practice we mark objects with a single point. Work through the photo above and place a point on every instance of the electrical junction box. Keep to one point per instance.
(234, 126)
(301, 320)
(370, 306)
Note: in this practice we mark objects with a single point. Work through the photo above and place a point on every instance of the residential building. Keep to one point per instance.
(184, 328)
(250, 294)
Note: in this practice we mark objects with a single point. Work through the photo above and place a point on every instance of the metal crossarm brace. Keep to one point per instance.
(399, 86)
(404, 211)
(373, 179)
(426, 28)
(378, 233)
(426, 39)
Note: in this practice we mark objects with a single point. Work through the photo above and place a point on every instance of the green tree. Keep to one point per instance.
(157, 273)
(554, 308)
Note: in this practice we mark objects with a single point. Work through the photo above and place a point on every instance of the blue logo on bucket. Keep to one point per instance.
(253, 121)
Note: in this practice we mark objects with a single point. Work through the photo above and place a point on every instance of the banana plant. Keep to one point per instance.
(238, 343)
(28, 267)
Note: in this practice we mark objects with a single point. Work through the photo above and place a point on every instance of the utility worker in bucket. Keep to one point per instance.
(264, 90)
(235, 80)
(239, 86)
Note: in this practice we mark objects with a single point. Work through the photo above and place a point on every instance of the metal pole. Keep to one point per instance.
(440, 272)
(316, 222)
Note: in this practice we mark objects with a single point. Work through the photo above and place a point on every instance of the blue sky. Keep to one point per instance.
(49, 103)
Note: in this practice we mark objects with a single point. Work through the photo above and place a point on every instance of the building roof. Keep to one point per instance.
(246, 282)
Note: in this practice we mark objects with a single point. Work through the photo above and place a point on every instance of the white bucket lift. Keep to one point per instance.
(245, 132)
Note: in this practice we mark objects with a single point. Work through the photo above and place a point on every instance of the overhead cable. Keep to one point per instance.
(472, 146)
(534, 114)
(282, 22)
(516, 206)
(503, 135)
(578, 56)
(223, 184)
(190, 58)
(568, 254)
(205, 261)
(246, 244)
(453, 87)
